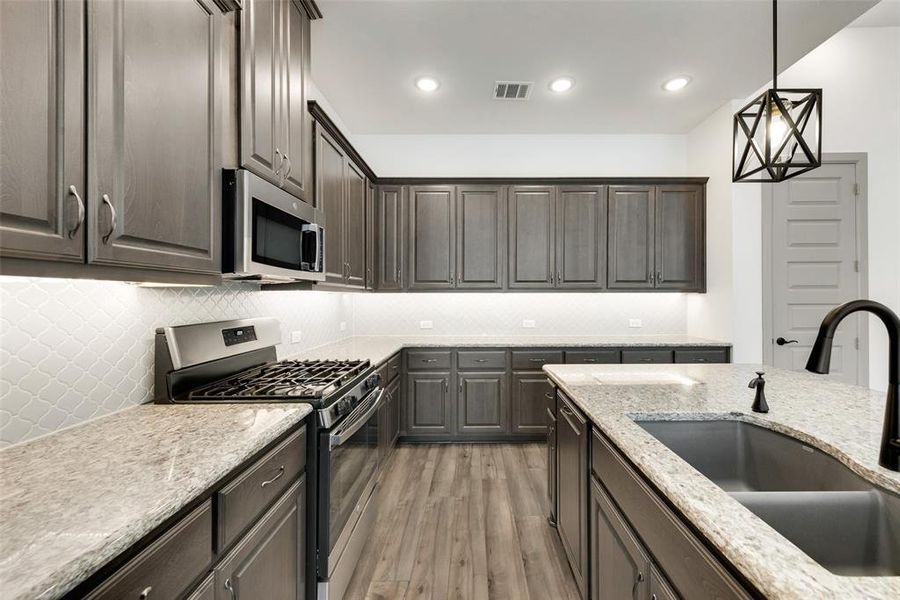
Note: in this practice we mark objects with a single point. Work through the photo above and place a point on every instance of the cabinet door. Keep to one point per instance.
(572, 475)
(631, 239)
(483, 402)
(295, 124)
(532, 237)
(261, 95)
(330, 184)
(206, 590)
(42, 121)
(370, 235)
(679, 237)
(530, 395)
(620, 568)
(269, 562)
(481, 239)
(428, 404)
(355, 220)
(154, 173)
(389, 231)
(432, 237)
(551, 462)
(581, 237)
(660, 588)
(394, 414)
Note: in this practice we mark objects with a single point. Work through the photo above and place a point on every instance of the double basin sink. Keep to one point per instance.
(843, 522)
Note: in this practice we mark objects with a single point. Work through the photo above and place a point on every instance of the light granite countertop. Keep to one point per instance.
(844, 421)
(72, 501)
(378, 348)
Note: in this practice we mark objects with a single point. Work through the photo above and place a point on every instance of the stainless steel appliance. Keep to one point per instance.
(268, 234)
(235, 361)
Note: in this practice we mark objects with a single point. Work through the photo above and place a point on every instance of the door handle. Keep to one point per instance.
(659, 277)
(280, 157)
(80, 220)
(781, 341)
(287, 173)
(112, 218)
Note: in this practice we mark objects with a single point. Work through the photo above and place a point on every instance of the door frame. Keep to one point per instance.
(860, 162)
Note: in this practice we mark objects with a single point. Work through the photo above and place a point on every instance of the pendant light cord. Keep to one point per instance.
(775, 44)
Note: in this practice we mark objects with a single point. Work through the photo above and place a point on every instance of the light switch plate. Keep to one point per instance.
(635, 323)
(426, 325)
(528, 323)
(343, 325)
(296, 337)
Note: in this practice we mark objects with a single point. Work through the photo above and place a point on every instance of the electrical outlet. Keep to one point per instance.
(635, 323)
(528, 323)
(426, 325)
(296, 337)
(343, 325)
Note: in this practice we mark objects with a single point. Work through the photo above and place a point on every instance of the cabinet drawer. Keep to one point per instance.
(600, 357)
(418, 360)
(481, 359)
(692, 568)
(393, 367)
(534, 360)
(646, 356)
(718, 355)
(169, 565)
(244, 499)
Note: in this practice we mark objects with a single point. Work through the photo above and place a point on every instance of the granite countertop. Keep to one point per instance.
(72, 501)
(378, 348)
(844, 421)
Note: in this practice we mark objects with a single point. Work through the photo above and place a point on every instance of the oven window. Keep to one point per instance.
(353, 465)
(277, 236)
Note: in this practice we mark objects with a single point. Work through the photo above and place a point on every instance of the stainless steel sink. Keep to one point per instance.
(843, 522)
(738, 456)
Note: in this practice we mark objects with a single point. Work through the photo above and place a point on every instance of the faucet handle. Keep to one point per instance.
(757, 380)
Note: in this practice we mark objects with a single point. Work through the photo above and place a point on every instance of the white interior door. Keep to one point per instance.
(815, 267)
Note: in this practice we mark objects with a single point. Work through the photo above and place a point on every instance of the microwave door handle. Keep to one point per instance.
(319, 259)
(345, 432)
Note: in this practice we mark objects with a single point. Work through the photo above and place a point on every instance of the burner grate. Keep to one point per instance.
(294, 379)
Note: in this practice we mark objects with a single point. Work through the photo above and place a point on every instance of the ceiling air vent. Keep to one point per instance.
(512, 90)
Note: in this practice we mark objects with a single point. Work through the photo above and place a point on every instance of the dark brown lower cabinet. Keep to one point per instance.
(428, 401)
(572, 477)
(269, 562)
(206, 590)
(482, 402)
(389, 420)
(660, 588)
(620, 567)
(529, 402)
(551, 462)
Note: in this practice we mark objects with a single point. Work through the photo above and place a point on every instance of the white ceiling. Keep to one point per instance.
(366, 55)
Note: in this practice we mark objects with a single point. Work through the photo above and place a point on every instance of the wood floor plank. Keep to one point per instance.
(463, 522)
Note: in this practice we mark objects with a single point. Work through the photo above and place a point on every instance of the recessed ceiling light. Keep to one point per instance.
(561, 84)
(427, 84)
(676, 83)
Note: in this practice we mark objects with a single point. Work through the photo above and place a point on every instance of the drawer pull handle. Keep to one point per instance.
(646, 359)
(536, 360)
(701, 360)
(429, 360)
(231, 593)
(73, 191)
(112, 218)
(277, 477)
(146, 593)
(549, 395)
(481, 360)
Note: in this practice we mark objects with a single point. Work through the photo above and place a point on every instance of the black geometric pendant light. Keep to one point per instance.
(778, 135)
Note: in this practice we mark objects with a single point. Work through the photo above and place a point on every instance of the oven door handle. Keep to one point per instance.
(345, 432)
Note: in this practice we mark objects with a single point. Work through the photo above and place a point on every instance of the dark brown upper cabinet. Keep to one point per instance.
(656, 237)
(432, 237)
(355, 219)
(275, 124)
(389, 234)
(532, 236)
(42, 119)
(481, 242)
(370, 236)
(154, 176)
(581, 237)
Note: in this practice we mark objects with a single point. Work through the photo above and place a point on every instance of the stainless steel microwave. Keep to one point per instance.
(268, 234)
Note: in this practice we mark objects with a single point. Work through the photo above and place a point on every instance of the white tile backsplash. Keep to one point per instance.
(73, 350)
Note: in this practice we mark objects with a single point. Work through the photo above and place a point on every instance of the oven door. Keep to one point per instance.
(351, 467)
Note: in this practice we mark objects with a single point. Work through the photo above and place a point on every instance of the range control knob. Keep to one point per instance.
(373, 381)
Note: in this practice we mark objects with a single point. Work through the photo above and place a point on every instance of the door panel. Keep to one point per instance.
(679, 237)
(529, 402)
(483, 402)
(631, 238)
(260, 87)
(389, 230)
(330, 186)
(572, 469)
(581, 235)
(432, 237)
(355, 239)
(480, 237)
(295, 120)
(814, 240)
(154, 175)
(428, 404)
(43, 128)
(532, 237)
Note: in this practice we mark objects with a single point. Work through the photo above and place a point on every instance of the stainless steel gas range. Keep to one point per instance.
(235, 361)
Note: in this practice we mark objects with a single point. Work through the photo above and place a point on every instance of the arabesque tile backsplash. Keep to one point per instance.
(74, 350)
